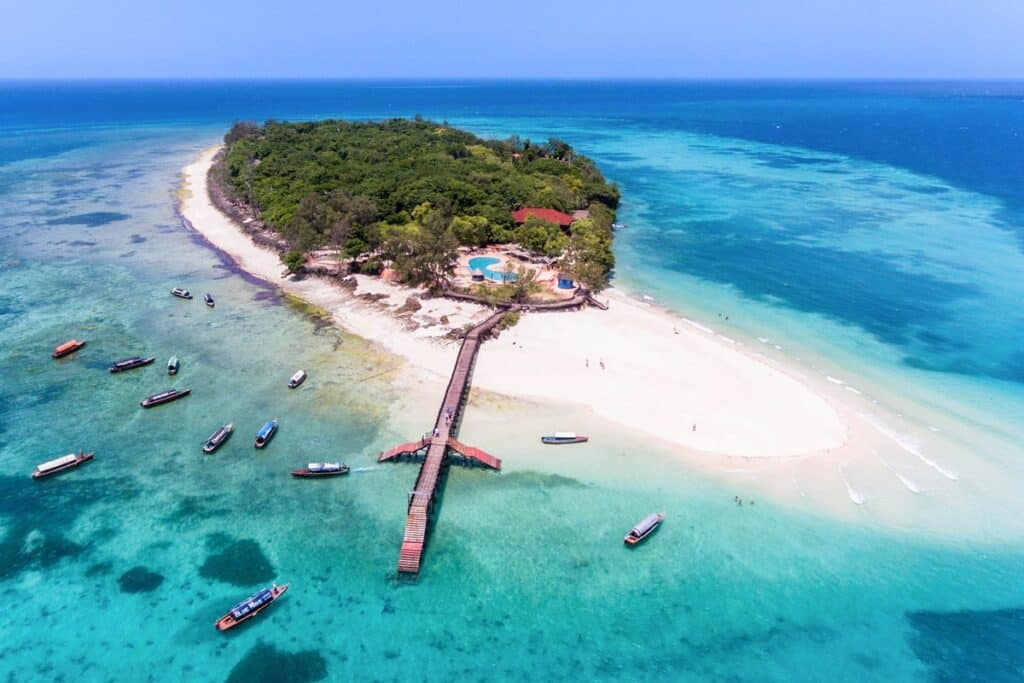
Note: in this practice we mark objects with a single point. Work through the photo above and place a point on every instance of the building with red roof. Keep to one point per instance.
(550, 215)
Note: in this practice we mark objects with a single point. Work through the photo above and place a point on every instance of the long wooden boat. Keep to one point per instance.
(266, 433)
(250, 607)
(218, 438)
(322, 469)
(644, 528)
(164, 397)
(181, 293)
(298, 378)
(68, 347)
(559, 438)
(130, 363)
(61, 464)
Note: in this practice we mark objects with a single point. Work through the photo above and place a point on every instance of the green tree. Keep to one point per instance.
(471, 230)
(294, 260)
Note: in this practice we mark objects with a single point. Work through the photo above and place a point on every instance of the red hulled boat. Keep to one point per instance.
(68, 347)
(250, 607)
(322, 469)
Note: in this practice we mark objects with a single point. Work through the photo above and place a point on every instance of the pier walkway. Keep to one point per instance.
(438, 444)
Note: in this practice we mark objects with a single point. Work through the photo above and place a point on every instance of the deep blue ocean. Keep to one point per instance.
(873, 231)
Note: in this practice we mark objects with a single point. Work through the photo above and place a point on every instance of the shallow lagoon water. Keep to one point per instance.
(117, 570)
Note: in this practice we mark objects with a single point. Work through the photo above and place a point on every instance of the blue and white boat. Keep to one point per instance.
(250, 607)
(266, 433)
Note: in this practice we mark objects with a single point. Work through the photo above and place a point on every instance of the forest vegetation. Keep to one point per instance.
(412, 191)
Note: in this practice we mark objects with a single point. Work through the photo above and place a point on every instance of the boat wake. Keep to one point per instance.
(910, 446)
(363, 469)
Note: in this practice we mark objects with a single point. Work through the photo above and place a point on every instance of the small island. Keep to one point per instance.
(422, 204)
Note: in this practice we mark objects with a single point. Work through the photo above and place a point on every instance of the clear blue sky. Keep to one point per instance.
(528, 38)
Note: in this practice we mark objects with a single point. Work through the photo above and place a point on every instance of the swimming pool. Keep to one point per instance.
(484, 263)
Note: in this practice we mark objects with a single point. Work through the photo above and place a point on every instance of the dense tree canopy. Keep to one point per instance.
(400, 187)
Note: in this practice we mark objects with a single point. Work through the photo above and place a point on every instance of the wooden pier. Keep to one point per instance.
(438, 445)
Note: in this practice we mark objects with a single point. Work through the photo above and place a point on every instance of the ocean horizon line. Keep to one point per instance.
(520, 79)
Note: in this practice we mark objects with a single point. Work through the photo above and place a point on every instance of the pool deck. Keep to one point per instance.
(547, 276)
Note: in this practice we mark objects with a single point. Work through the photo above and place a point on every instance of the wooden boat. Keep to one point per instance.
(68, 347)
(218, 438)
(266, 433)
(208, 298)
(181, 293)
(297, 379)
(321, 469)
(173, 365)
(130, 363)
(250, 607)
(164, 397)
(559, 438)
(644, 528)
(61, 464)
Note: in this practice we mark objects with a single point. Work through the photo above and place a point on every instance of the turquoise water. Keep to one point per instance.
(484, 263)
(862, 261)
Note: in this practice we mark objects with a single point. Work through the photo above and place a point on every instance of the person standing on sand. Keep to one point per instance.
(602, 363)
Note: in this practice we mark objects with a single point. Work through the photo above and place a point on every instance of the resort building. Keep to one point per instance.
(560, 219)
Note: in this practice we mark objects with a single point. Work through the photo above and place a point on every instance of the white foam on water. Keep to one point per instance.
(907, 483)
(911, 446)
(698, 326)
(731, 341)
(834, 380)
(778, 348)
(763, 340)
(796, 482)
(911, 486)
(648, 298)
(856, 496)
(934, 429)
(856, 391)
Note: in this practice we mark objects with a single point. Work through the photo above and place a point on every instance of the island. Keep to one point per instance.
(632, 368)
(422, 203)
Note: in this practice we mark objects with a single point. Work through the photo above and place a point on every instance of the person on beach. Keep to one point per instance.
(602, 363)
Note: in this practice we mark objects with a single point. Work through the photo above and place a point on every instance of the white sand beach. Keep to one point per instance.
(670, 386)
(631, 365)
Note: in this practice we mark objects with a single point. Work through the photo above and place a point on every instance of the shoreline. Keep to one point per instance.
(622, 364)
(671, 385)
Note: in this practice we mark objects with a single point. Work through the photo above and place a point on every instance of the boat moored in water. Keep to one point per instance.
(181, 293)
(644, 528)
(68, 347)
(218, 438)
(297, 379)
(250, 607)
(164, 397)
(208, 298)
(266, 433)
(322, 469)
(130, 363)
(61, 464)
(173, 365)
(559, 438)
